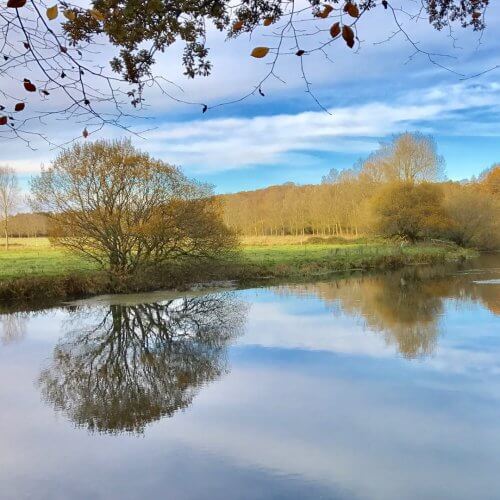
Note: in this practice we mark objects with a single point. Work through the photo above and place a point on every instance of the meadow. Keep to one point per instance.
(35, 257)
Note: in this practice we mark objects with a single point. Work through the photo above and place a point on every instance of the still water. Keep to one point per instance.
(382, 386)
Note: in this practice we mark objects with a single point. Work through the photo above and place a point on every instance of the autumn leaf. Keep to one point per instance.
(351, 9)
(85, 133)
(238, 25)
(69, 14)
(16, 4)
(348, 36)
(335, 30)
(19, 106)
(97, 15)
(3, 120)
(325, 12)
(29, 86)
(260, 52)
(268, 21)
(52, 12)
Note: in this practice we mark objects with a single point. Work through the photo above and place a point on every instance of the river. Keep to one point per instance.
(368, 386)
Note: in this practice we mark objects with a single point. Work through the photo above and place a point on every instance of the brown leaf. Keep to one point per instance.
(3, 120)
(335, 30)
(352, 9)
(348, 36)
(97, 15)
(69, 14)
(325, 12)
(260, 52)
(85, 133)
(238, 25)
(29, 86)
(19, 106)
(52, 12)
(268, 21)
(16, 4)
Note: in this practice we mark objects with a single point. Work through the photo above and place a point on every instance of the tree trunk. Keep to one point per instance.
(6, 229)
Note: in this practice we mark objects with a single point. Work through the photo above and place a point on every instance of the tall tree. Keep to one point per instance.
(9, 197)
(408, 157)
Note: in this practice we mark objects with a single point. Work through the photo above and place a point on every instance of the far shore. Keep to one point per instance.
(33, 272)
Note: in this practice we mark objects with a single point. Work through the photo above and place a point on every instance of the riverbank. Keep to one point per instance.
(42, 274)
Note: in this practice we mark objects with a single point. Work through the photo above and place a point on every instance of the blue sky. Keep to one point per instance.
(371, 94)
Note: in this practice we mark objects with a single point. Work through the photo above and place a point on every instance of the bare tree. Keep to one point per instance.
(408, 157)
(123, 209)
(413, 157)
(9, 194)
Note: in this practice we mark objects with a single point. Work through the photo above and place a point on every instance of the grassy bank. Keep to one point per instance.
(33, 270)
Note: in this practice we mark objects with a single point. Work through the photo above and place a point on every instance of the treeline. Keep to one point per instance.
(399, 190)
(325, 209)
(27, 225)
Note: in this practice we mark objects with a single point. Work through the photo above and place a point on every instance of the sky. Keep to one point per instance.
(370, 93)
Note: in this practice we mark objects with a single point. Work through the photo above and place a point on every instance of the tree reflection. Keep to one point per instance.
(124, 366)
(404, 306)
(13, 327)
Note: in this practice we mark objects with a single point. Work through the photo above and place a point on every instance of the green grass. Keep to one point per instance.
(341, 256)
(40, 261)
(36, 257)
(33, 273)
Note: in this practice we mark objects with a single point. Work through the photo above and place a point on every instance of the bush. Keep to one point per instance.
(408, 210)
(475, 216)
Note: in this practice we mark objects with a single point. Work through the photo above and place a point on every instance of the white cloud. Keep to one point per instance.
(211, 145)
(358, 84)
(207, 145)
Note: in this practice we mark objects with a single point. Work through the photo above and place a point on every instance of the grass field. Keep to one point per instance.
(288, 240)
(36, 257)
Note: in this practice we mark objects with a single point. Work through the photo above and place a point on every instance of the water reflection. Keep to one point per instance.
(120, 367)
(404, 306)
(13, 327)
(316, 405)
